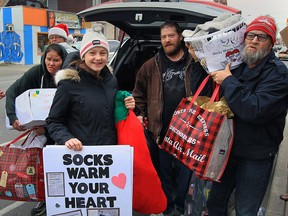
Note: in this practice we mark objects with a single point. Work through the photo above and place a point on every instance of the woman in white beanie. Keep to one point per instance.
(82, 112)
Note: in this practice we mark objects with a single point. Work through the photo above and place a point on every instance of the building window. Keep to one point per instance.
(42, 39)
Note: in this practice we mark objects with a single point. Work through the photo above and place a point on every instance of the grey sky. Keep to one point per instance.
(253, 8)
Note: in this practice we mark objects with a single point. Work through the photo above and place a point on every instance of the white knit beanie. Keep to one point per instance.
(59, 29)
(93, 38)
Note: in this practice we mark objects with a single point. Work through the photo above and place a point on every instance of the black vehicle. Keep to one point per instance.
(141, 21)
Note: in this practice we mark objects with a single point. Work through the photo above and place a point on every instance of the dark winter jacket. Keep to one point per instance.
(148, 91)
(71, 57)
(83, 108)
(258, 97)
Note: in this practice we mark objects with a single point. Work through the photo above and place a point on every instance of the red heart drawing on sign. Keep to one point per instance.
(119, 181)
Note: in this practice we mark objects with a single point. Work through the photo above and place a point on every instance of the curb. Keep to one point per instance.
(279, 181)
(286, 203)
(7, 69)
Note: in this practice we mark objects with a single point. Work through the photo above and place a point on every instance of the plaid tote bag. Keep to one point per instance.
(21, 172)
(199, 138)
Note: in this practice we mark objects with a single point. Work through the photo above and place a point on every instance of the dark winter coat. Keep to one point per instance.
(83, 108)
(258, 97)
(71, 57)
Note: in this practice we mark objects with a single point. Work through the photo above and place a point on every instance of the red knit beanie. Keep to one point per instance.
(265, 24)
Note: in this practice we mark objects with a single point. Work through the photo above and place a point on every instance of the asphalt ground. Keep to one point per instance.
(279, 185)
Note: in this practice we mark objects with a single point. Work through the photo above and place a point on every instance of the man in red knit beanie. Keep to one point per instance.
(265, 24)
(257, 94)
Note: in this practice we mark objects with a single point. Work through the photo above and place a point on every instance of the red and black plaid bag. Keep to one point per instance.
(200, 139)
(21, 173)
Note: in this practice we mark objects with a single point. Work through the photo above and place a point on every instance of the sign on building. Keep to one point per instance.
(70, 19)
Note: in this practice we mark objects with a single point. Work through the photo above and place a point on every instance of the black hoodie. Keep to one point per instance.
(36, 77)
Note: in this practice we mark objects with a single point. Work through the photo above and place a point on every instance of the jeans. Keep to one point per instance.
(250, 179)
(168, 175)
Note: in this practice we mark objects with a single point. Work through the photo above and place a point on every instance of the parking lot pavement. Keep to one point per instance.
(13, 68)
(279, 184)
(276, 206)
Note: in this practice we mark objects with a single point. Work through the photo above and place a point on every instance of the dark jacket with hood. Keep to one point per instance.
(35, 77)
(258, 97)
(83, 108)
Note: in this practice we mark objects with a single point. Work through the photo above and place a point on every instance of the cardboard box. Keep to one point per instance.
(284, 35)
(33, 106)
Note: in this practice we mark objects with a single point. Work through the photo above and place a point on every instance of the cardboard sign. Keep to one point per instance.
(97, 180)
(284, 35)
(33, 106)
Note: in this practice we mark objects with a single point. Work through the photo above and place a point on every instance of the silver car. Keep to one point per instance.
(113, 46)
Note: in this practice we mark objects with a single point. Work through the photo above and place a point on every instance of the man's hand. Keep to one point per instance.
(39, 130)
(191, 51)
(220, 75)
(2, 94)
(143, 121)
(16, 125)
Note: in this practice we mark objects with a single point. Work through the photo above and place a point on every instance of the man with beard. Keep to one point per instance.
(161, 83)
(257, 93)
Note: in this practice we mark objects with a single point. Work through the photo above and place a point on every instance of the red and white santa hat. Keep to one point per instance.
(60, 30)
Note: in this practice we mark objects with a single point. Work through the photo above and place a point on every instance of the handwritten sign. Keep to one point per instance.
(94, 181)
(33, 106)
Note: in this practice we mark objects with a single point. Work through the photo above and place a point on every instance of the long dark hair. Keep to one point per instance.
(58, 49)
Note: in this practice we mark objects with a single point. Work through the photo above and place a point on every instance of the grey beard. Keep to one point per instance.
(251, 58)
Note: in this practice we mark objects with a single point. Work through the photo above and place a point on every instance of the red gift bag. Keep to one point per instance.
(200, 139)
(148, 195)
(21, 172)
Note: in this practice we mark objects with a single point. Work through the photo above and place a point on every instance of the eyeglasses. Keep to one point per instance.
(260, 37)
(54, 37)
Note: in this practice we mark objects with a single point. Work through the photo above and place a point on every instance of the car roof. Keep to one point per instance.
(142, 19)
